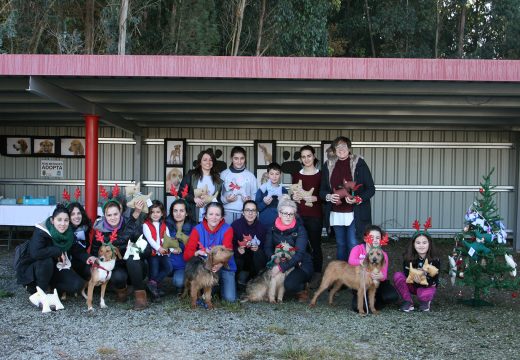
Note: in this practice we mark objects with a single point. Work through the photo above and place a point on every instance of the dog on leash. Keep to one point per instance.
(269, 287)
(199, 277)
(358, 278)
(100, 274)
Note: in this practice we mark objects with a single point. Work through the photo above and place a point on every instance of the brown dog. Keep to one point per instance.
(76, 147)
(22, 146)
(46, 147)
(100, 274)
(198, 274)
(176, 155)
(340, 273)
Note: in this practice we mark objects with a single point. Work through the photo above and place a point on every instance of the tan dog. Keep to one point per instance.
(100, 274)
(421, 273)
(22, 146)
(173, 177)
(340, 273)
(46, 147)
(76, 147)
(269, 287)
(298, 189)
(268, 157)
(176, 155)
(199, 277)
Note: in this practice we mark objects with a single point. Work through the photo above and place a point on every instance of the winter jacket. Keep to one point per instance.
(130, 229)
(177, 260)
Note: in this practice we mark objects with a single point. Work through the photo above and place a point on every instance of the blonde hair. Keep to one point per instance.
(285, 201)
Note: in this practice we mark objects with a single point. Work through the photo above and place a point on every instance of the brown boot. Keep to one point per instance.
(303, 296)
(141, 302)
(121, 295)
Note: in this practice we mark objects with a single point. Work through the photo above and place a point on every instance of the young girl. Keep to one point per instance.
(178, 222)
(240, 184)
(154, 229)
(374, 237)
(268, 195)
(419, 249)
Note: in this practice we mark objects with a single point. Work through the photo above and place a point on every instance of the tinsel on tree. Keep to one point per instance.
(481, 258)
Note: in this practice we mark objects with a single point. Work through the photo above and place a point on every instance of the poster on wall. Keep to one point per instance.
(44, 146)
(51, 168)
(17, 146)
(174, 163)
(326, 151)
(72, 147)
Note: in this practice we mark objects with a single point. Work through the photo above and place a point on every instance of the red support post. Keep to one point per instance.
(91, 165)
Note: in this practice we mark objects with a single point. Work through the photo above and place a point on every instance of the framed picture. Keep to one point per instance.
(44, 146)
(17, 146)
(172, 177)
(265, 153)
(326, 151)
(175, 152)
(73, 147)
(261, 176)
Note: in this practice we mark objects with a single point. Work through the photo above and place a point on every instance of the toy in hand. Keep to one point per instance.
(171, 243)
(134, 249)
(298, 189)
(203, 193)
(136, 198)
(248, 241)
(421, 273)
(348, 188)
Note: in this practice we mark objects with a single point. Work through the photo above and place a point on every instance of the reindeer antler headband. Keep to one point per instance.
(369, 239)
(110, 199)
(66, 196)
(427, 225)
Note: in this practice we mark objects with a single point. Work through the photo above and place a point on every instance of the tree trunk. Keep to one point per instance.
(370, 29)
(123, 15)
(438, 29)
(37, 34)
(462, 25)
(89, 26)
(260, 28)
(237, 29)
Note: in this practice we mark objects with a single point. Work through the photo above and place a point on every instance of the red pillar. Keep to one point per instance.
(91, 165)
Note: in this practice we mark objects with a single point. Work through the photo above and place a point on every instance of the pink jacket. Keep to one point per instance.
(357, 255)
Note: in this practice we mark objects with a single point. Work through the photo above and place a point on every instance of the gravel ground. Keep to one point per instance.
(170, 329)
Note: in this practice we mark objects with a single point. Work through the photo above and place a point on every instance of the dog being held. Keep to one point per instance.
(358, 278)
(100, 274)
(200, 277)
(269, 287)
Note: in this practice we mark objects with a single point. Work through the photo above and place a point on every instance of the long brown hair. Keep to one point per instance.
(411, 254)
(215, 175)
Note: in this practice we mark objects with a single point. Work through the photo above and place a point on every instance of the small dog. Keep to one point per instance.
(340, 273)
(46, 147)
(176, 155)
(269, 287)
(76, 147)
(22, 146)
(100, 274)
(198, 274)
(268, 157)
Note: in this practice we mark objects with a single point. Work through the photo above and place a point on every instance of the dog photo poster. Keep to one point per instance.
(18, 146)
(175, 152)
(44, 146)
(72, 147)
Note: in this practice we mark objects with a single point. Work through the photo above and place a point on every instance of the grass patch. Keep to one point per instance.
(313, 354)
(106, 351)
(228, 306)
(5, 294)
(277, 330)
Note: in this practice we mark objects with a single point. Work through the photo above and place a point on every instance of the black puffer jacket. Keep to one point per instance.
(41, 247)
(296, 237)
(131, 229)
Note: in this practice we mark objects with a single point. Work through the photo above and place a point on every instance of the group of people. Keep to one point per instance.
(235, 212)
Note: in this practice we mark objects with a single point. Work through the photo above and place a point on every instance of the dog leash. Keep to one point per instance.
(364, 287)
(97, 266)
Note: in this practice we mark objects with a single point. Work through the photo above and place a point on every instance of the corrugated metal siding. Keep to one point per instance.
(389, 166)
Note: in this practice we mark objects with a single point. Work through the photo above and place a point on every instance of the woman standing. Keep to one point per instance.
(349, 214)
(311, 216)
(240, 184)
(289, 229)
(180, 225)
(213, 231)
(52, 243)
(118, 229)
(204, 176)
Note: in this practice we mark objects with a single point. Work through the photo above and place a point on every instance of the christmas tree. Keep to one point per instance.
(481, 258)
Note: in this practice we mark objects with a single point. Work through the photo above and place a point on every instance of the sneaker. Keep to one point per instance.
(424, 306)
(406, 306)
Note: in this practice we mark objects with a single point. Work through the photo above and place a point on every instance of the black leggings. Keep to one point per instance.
(250, 263)
(48, 276)
(295, 281)
(314, 226)
(129, 271)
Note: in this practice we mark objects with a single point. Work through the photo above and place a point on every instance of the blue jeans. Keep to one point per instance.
(345, 240)
(178, 279)
(228, 290)
(160, 267)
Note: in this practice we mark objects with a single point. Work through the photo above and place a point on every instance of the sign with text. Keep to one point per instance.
(51, 168)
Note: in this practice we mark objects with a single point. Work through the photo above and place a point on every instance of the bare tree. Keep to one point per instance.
(438, 28)
(367, 10)
(462, 24)
(89, 26)
(123, 15)
(237, 26)
(260, 28)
